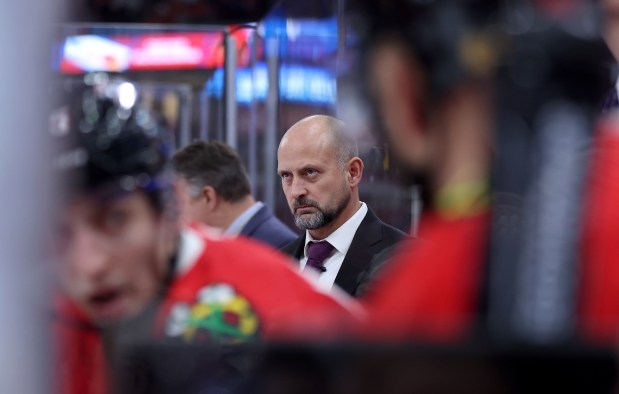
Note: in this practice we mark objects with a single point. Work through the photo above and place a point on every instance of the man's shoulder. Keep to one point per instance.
(393, 232)
(259, 276)
(242, 263)
(240, 251)
(272, 224)
(266, 227)
(387, 230)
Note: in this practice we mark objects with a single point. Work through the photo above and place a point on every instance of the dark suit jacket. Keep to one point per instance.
(265, 227)
(371, 238)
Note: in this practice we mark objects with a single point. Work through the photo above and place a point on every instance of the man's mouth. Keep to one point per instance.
(107, 305)
(303, 209)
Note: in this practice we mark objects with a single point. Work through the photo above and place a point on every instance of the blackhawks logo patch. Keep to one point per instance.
(218, 314)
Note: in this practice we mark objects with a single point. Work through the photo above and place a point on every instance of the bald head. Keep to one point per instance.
(327, 130)
(320, 173)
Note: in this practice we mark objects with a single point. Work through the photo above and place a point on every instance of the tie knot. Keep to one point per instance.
(317, 252)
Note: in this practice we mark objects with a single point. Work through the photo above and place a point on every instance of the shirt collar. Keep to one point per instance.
(342, 237)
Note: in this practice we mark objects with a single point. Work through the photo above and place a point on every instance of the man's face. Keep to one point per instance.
(110, 255)
(315, 185)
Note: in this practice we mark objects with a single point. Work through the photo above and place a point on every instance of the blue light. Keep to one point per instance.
(300, 84)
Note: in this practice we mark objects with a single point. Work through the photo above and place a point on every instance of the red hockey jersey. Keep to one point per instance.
(234, 290)
(599, 308)
(431, 289)
(227, 291)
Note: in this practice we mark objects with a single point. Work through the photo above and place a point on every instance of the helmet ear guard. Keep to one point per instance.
(107, 140)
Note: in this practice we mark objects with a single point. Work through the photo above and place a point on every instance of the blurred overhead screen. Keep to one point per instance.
(148, 51)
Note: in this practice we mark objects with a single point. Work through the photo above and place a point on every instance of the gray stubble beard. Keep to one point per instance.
(322, 217)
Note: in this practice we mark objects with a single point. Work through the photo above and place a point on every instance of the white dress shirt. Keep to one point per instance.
(341, 240)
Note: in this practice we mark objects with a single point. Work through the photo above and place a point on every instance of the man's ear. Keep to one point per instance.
(354, 170)
(211, 199)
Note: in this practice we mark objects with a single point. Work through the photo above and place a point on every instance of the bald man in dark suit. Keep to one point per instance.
(320, 172)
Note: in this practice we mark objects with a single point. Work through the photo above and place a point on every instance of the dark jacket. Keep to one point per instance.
(371, 238)
(265, 227)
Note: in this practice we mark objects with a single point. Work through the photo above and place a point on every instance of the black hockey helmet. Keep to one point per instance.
(458, 40)
(107, 138)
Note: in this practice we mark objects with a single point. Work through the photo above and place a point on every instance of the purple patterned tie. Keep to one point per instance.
(317, 252)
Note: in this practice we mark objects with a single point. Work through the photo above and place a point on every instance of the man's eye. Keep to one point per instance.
(114, 219)
(285, 176)
(311, 171)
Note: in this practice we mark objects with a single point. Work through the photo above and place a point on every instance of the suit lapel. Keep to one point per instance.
(359, 255)
(295, 248)
(360, 252)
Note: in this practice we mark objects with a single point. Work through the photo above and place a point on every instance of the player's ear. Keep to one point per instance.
(398, 86)
(211, 199)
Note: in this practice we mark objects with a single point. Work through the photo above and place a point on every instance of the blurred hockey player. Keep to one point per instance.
(500, 151)
(127, 272)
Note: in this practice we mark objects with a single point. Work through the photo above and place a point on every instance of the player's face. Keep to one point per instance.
(110, 256)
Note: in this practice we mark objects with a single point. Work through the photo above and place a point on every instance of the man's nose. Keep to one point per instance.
(297, 188)
(89, 254)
